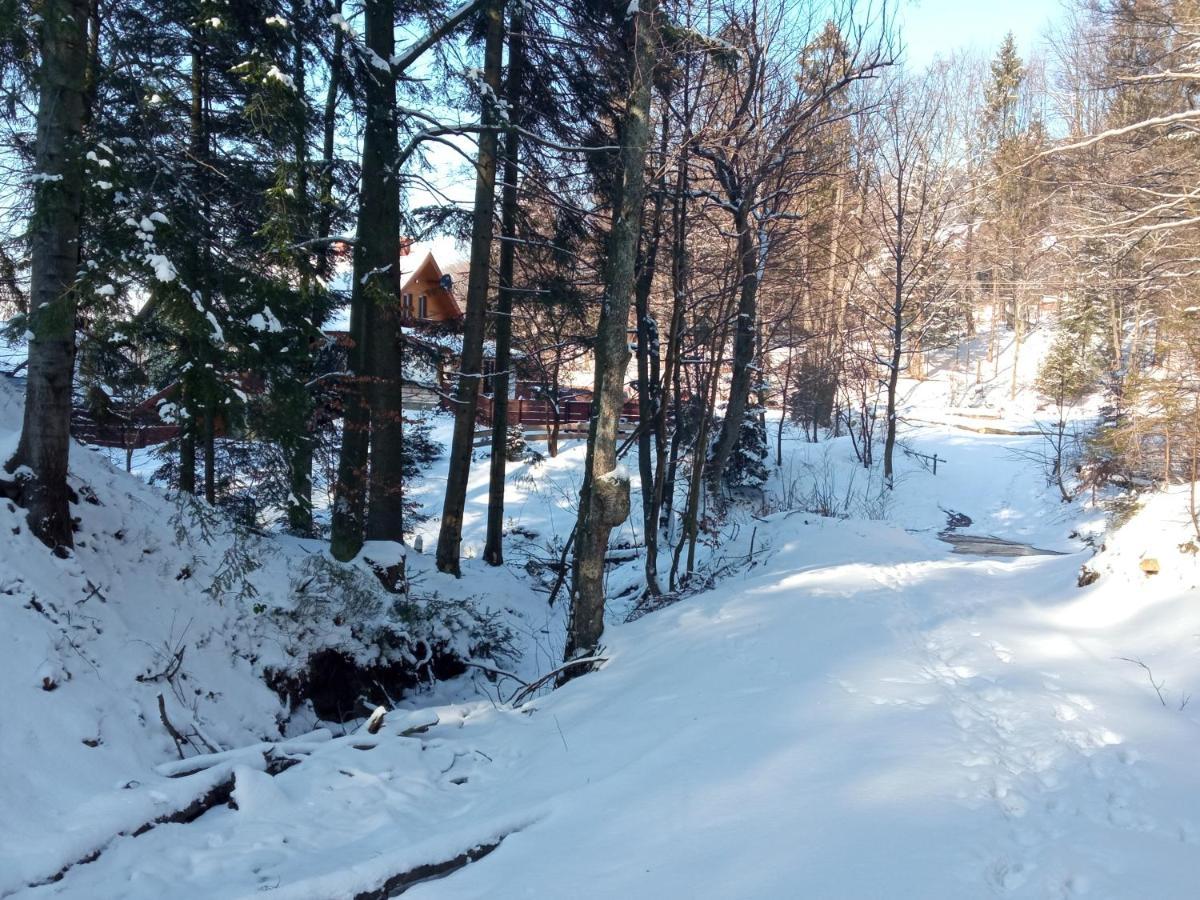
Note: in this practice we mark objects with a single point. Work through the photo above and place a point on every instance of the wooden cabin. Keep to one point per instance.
(427, 295)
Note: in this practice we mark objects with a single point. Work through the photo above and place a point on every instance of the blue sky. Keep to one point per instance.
(930, 27)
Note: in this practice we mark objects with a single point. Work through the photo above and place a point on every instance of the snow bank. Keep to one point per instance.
(158, 600)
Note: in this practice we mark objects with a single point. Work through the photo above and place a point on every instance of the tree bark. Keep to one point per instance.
(660, 498)
(604, 497)
(889, 443)
(45, 441)
(188, 393)
(385, 505)
(471, 364)
(647, 365)
(744, 370)
(493, 552)
(328, 133)
(300, 448)
(376, 265)
(210, 452)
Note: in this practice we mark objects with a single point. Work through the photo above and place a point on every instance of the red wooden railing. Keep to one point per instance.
(125, 434)
(541, 412)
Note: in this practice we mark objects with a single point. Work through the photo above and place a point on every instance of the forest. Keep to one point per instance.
(375, 370)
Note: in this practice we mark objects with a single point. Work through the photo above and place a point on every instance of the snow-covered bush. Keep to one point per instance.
(516, 445)
(344, 626)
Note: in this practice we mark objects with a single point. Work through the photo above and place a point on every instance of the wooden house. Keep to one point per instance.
(427, 296)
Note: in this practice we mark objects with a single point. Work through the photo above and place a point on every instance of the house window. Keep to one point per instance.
(421, 308)
(406, 306)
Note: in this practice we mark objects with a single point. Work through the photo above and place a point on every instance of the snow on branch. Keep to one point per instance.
(1185, 116)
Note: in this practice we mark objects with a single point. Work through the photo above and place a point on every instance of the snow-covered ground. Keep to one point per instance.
(854, 711)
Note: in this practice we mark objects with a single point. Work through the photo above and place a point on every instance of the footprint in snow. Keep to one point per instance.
(1008, 875)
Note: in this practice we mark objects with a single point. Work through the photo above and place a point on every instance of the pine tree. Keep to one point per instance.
(42, 456)
(1003, 93)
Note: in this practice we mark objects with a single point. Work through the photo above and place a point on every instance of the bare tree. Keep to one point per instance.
(910, 194)
(604, 496)
(756, 147)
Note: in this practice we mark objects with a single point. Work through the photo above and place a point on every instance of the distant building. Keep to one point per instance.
(427, 296)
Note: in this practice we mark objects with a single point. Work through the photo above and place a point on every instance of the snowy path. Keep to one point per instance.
(917, 726)
(1036, 750)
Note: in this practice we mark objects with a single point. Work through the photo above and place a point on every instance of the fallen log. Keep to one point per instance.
(398, 884)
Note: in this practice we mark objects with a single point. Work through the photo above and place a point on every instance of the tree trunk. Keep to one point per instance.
(187, 443)
(385, 354)
(604, 496)
(328, 133)
(188, 393)
(300, 514)
(45, 442)
(1195, 473)
(555, 402)
(1018, 338)
(783, 408)
(493, 552)
(467, 394)
(300, 447)
(348, 518)
(210, 451)
(744, 371)
(663, 443)
(648, 355)
(376, 265)
(889, 442)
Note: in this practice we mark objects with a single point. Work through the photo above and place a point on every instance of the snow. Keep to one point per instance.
(853, 711)
(619, 475)
(276, 74)
(265, 321)
(164, 269)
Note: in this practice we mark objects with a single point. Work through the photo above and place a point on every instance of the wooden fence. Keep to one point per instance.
(541, 412)
(125, 434)
(568, 431)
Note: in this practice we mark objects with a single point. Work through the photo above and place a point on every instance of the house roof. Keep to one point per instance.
(429, 271)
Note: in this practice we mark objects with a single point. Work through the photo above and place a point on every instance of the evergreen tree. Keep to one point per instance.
(41, 460)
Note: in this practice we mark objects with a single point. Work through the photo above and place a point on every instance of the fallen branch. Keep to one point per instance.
(498, 672)
(174, 662)
(217, 794)
(171, 729)
(524, 693)
(376, 721)
(563, 568)
(398, 884)
(278, 751)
